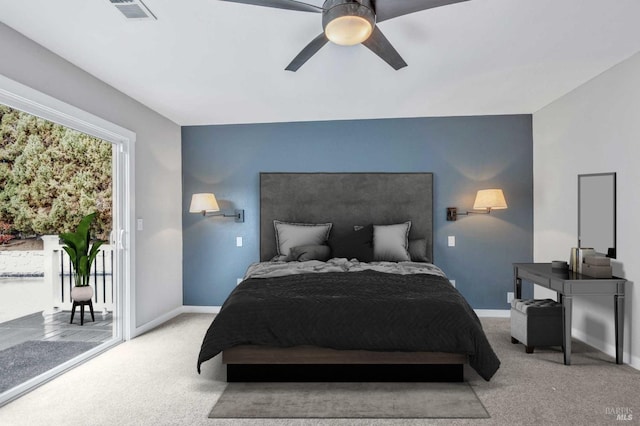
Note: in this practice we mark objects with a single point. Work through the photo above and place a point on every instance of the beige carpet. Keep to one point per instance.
(152, 380)
(348, 401)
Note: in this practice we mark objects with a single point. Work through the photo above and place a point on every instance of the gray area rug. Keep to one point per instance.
(349, 400)
(31, 358)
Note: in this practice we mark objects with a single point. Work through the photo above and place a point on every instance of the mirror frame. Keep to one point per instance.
(615, 229)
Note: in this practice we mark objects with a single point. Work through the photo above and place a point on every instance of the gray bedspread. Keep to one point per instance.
(367, 310)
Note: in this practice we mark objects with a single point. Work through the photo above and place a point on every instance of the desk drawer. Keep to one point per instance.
(530, 276)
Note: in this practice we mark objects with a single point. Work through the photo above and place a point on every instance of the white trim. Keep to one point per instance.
(128, 301)
(189, 309)
(174, 313)
(605, 347)
(19, 96)
(608, 348)
(157, 322)
(493, 313)
(635, 362)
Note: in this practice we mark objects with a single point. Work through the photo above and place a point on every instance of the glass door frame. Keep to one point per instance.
(24, 98)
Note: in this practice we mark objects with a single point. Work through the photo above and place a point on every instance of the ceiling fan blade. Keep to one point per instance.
(281, 4)
(306, 53)
(379, 45)
(388, 9)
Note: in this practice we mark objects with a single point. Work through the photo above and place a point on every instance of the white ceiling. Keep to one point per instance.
(214, 62)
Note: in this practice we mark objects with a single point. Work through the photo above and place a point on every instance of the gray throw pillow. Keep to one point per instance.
(391, 242)
(418, 250)
(290, 235)
(309, 252)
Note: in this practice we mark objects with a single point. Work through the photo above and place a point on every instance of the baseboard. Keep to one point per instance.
(493, 313)
(190, 309)
(486, 313)
(635, 362)
(608, 348)
(482, 313)
(157, 322)
(172, 314)
(605, 347)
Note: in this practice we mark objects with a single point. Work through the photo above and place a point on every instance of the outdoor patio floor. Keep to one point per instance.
(33, 327)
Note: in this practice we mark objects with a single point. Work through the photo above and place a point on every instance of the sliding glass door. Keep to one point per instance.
(57, 164)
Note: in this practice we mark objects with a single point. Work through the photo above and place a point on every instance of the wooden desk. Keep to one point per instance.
(568, 284)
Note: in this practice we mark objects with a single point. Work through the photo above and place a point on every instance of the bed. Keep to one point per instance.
(318, 316)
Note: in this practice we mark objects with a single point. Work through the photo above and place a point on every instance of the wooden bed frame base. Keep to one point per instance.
(345, 373)
(249, 363)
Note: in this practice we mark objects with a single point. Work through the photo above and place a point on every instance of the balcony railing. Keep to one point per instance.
(58, 276)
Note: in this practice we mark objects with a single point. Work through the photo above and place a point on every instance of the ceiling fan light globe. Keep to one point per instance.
(348, 22)
(348, 30)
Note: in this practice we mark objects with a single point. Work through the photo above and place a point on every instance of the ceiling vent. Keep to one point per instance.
(133, 9)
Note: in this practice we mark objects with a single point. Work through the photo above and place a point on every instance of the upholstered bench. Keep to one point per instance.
(536, 322)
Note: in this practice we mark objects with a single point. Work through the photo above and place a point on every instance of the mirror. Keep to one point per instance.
(597, 212)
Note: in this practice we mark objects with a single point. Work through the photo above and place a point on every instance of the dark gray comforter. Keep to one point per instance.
(365, 310)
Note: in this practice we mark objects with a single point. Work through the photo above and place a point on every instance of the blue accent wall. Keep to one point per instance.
(464, 153)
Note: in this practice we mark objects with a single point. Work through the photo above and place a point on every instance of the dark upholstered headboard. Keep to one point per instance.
(346, 199)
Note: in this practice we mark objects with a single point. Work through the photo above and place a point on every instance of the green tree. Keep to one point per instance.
(52, 176)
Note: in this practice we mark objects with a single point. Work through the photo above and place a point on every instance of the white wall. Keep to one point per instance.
(158, 256)
(19, 262)
(595, 128)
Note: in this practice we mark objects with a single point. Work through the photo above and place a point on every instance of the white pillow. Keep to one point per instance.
(391, 242)
(299, 234)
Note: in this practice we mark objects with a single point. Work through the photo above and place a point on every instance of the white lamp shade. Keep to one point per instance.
(205, 202)
(490, 199)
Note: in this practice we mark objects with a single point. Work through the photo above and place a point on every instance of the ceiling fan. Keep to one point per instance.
(350, 22)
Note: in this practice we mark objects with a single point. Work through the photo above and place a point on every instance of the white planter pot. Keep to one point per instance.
(81, 294)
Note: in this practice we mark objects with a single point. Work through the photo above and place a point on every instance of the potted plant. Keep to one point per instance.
(82, 254)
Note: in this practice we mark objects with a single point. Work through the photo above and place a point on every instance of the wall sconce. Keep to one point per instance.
(207, 204)
(487, 199)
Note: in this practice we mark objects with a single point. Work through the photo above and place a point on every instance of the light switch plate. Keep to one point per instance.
(139, 224)
(238, 241)
(451, 240)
